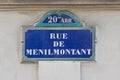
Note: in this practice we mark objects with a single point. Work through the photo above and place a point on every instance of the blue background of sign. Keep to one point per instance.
(40, 39)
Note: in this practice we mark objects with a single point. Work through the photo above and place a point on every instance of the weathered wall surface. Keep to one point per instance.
(10, 67)
(107, 62)
(62, 1)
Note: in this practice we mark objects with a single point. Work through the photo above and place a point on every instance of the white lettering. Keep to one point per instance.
(58, 51)
(28, 51)
(89, 51)
(66, 20)
(58, 36)
(58, 44)
(52, 35)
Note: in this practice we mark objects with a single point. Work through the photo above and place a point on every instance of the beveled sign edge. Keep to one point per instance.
(25, 59)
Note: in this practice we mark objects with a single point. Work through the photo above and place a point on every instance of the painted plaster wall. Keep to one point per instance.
(107, 62)
(10, 67)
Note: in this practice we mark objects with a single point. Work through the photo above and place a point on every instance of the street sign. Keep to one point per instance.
(58, 18)
(52, 43)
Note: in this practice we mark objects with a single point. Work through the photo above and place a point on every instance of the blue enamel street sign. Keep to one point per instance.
(71, 44)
